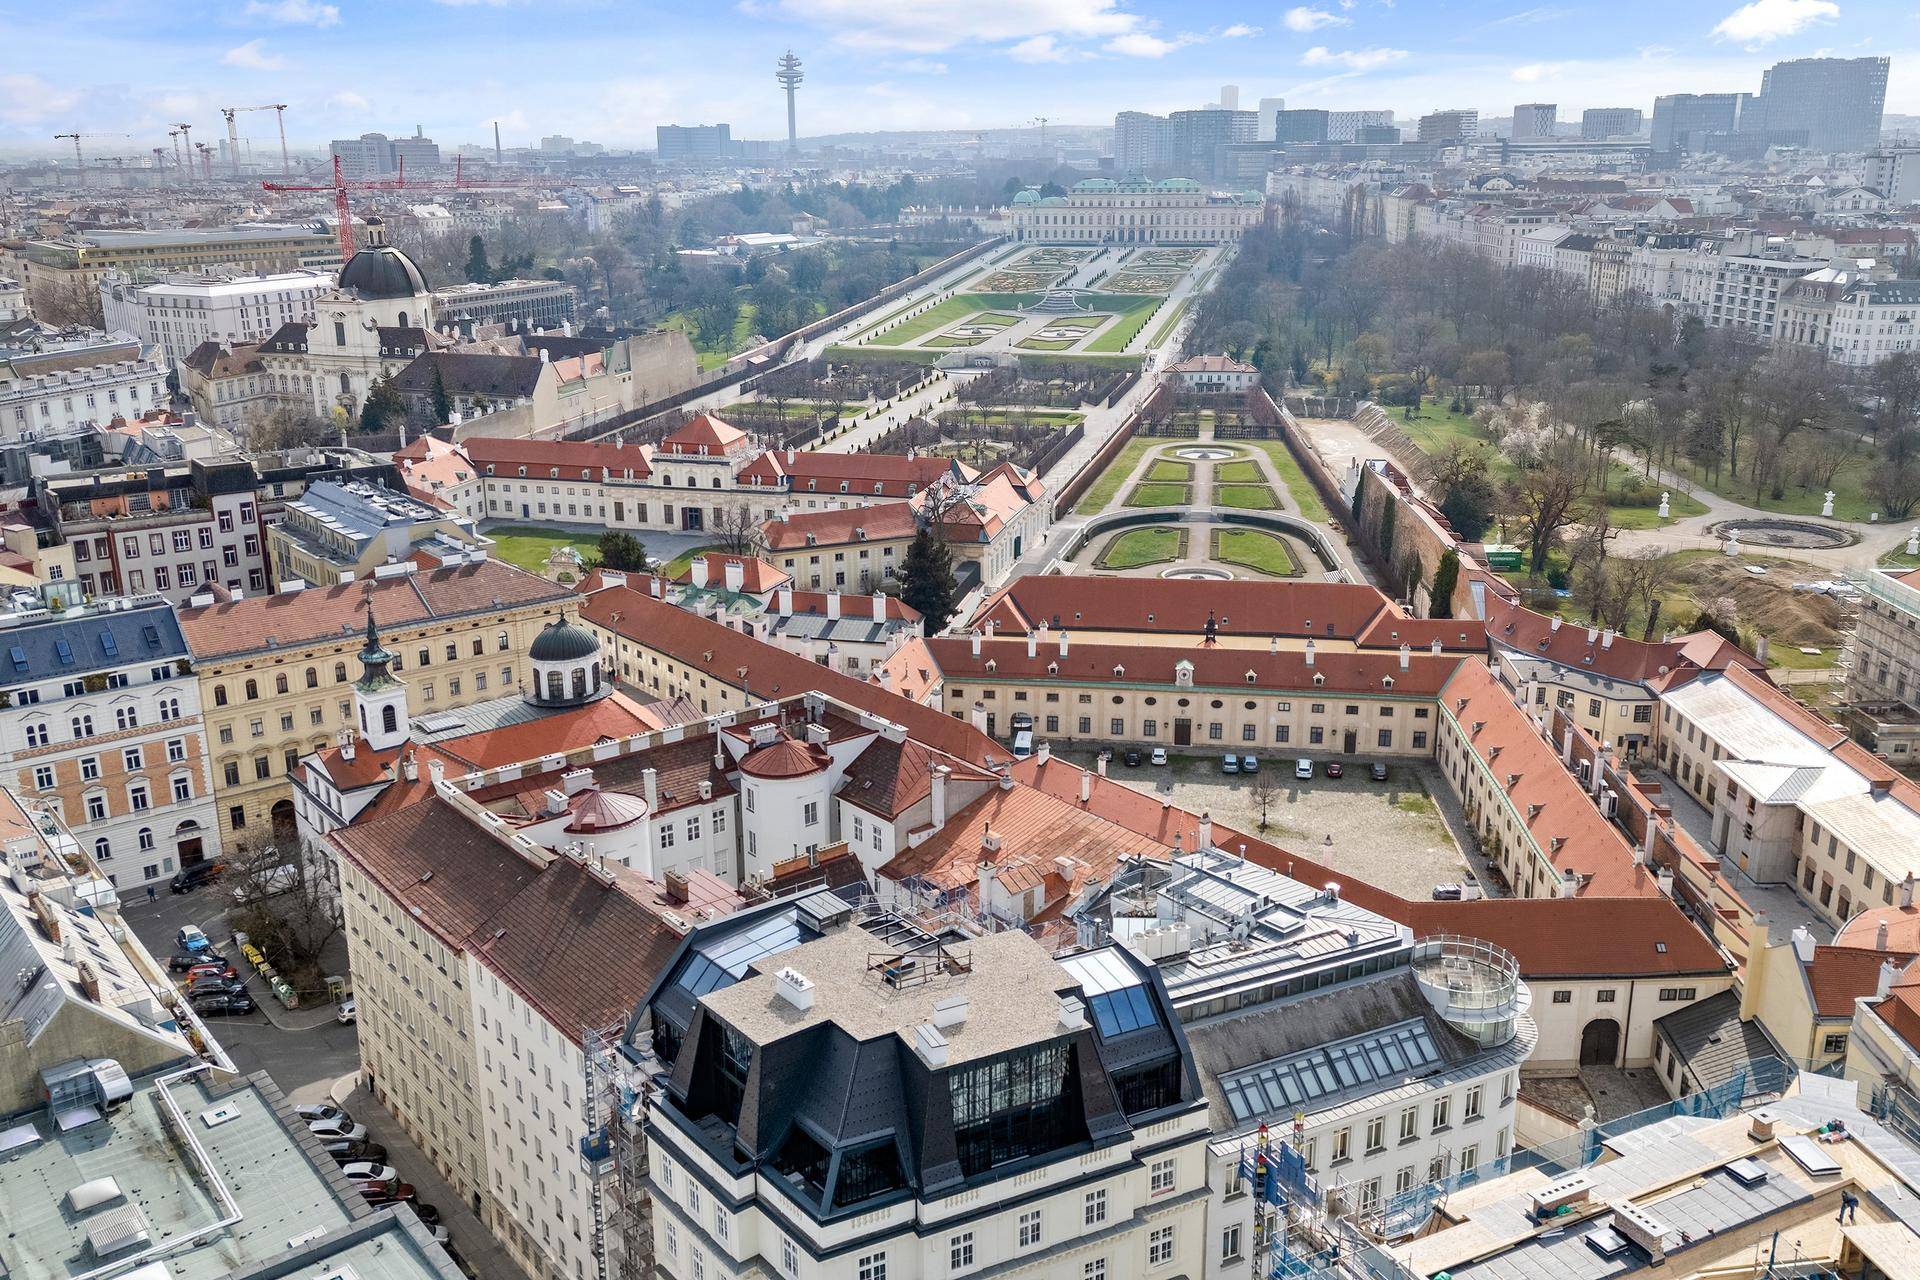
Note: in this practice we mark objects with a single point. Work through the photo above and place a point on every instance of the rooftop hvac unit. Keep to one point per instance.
(214, 1117)
(1568, 1189)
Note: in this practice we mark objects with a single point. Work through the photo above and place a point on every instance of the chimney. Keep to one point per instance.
(1406, 656)
(1436, 647)
(940, 775)
(1073, 1013)
(786, 602)
(410, 768)
(1593, 633)
(930, 1044)
(699, 571)
(574, 781)
(1906, 893)
(1204, 840)
(1880, 937)
(1888, 972)
(1063, 643)
(1033, 644)
(879, 609)
(1086, 787)
(1273, 644)
(735, 572)
(1606, 638)
(650, 787)
(1309, 650)
(1045, 753)
(1100, 764)
(833, 604)
(436, 773)
(973, 640)
(1554, 625)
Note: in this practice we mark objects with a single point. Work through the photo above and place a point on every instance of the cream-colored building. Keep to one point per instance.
(1173, 211)
(276, 671)
(341, 532)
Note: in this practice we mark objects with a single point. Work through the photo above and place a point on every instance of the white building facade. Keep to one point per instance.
(69, 384)
(180, 312)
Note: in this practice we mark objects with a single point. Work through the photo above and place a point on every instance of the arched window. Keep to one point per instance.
(339, 673)
(556, 689)
(219, 695)
(103, 850)
(579, 682)
(146, 839)
(346, 387)
(313, 678)
(280, 683)
(253, 690)
(389, 719)
(403, 319)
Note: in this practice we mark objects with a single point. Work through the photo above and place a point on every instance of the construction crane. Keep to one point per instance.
(186, 136)
(233, 135)
(160, 160)
(206, 160)
(179, 165)
(341, 186)
(1043, 122)
(79, 161)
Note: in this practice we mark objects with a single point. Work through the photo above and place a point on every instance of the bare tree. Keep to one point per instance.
(1547, 498)
(1263, 791)
(283, 899)
(736, 531)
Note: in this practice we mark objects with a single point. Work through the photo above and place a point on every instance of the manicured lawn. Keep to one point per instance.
(1625, 517)
(1160, 495)
(944, 341)
(1132, 309)
(1137, 548)
(1438, 426)
(527, 546)
(1790, 657)
(1850, 501)
(1167, 471)
(1247, 497)
(1305, 496)
(678, 565)
(1046, 344)
(714, 357)
(1166, 326)
(1100, 494)
(1900, 559)
(1239, 473)
(1252, 549)
(936, 318)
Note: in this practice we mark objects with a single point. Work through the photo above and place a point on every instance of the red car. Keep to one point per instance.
(388, 1192)
(219, 969)
(1334, 769)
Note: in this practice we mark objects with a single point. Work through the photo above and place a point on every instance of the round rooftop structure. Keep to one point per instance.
(382, 271)
(563, 641)
(605, 811)
(786, 758)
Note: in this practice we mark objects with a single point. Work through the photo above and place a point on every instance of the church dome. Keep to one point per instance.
(381, 271)
(563, 641)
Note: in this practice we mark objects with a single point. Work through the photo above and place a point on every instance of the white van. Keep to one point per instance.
(1022, 744)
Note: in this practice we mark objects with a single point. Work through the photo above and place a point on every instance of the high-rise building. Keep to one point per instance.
(1267, 107)
(692, 143)
(1836, 102)
(367, 156)
(1195, 138)
(1597, 123)
(1229, 97)
(1300, 126)
(1895, 174)
(1682, 121)
(1139, 142)
(1459, 125)
(417, 152)
(1533, 120)
(1345, 126)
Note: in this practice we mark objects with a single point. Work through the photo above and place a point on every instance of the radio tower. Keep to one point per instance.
(789, 75)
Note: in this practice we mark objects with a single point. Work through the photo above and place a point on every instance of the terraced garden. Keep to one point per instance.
(1138, 548)
(1246, 497)
(1160, 495)
(1255, 550)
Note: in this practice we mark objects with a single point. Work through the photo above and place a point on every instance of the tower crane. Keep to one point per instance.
(186, 136)
(79, 161)
(340, 186)
(233, 136)
(206, 160)
(1043, 122)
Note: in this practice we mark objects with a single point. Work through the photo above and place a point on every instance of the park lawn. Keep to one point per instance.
(1239, 473)
(527, 546)
(1790, 657)
(1899, 559)
(1046, 344)
(1100, 494)
(714, 357)
(1850, 500)
(944, 341)
(1167, 471)
(1304, 495)
(942, 315)
(1247, 497)
(1132, 312)
(1137, 548)
(995, 318)
(1255, 550)
(1160, 495)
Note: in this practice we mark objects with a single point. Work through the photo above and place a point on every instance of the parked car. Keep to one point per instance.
(1132, 759)
(191, 938)
(1334, 769)
(215, 987)
(212, 969)
(344, 1150)
(1159, 756)
(1448, 892)
(1229, 763)
(1249, 764)
(388, 1192)
(1303, 769)
(347, 1014)
(340, 1127)
(321, 1111)
(226, 1005)
(427, 1214)
(1377, 771)
(190, 878)
(182, 961)
(369, 1171)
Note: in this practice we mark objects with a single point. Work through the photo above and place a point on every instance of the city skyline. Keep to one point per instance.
(456, 66)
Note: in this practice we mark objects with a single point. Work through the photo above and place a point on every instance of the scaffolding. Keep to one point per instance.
(613, 1154)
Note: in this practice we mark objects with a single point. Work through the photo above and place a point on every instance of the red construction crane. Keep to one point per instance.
(340, 186)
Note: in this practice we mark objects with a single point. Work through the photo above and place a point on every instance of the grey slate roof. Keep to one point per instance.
(1712, 1041)
(61, 646)
(467, 373)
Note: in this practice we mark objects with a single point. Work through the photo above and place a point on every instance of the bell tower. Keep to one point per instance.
(379, 696)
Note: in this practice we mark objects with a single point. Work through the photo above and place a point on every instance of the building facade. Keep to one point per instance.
(69, 384)
(518, 306)
(1134, 211)
(177, 313)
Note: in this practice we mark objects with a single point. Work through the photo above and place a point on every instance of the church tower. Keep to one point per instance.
(379, 697)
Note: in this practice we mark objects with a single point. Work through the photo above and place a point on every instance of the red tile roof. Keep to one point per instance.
(757, 577)
(575, 459)
(1840, 975)
(771, 672)
(1903, 928)
(881, 522)
(851, 606)
(807, 471)
(785, 759)
(708, 436)
(1336, 610)
(889, 777)
(1215, 668)
(289, 620)
(1568, 643)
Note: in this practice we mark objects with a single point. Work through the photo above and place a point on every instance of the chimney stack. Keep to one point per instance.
(1906, 892)
(1033, 644)
(1063, 643)
(833, 604)
(1204, 840)
(650, 787)
(786, 602)
(1086, 787)
(879, 609)
(1309, 650)
(1406, 656)
(735, 571)
(941, 773)
(973, 642)
(698, 568)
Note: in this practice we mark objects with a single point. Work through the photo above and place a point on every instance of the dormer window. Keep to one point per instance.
(1319, 678)
(553, 473)
(843, 487)
(879, 487)
(523, 472)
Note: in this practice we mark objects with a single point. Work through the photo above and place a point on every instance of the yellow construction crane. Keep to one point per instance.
(79, 161)
(233, 134)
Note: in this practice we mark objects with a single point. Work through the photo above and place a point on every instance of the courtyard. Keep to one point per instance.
(1404, 835)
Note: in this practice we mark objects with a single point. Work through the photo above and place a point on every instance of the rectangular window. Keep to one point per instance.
(1160, 1247)
(1230, 1244)
(1376, 1134)
(1160, 1177)
(1096, 1207)
(1563, 996)
(873, 1267)
(960, 1251)
(1677, 993)
(1472, 1109)
(1030, 1229)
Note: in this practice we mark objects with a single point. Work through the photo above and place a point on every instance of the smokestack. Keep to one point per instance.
(496, 143)
(1033, 644)
(940, 775)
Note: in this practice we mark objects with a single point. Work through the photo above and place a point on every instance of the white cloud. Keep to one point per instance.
(1527, 18)
(1356, 59)
(922, 66)
(1140, 44)
(1239, 31)
(294, 13)
(25, 99)
(1303, 18)
(1534, 72)
(1038, 49)
(253, 56)
(348, 100)
(1762, 21)
(934, 26)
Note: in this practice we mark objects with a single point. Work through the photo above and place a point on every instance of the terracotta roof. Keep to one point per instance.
(879, 523)
(430, 465)
(786, 758)
(1217, 669)
(599, 810)
(982, 514)
(910, 670)
(612, 717)
(430, 857)
(708, 435)
(1903, 928)
(1555, 807)
(889, 777)
(1572, 645)
(771, 672)
(808, 471)
(576, 459)
(1323, 609)
(1840, 975)
(851, 606)
(757, 577)
(289, 620)
(1901, 1009)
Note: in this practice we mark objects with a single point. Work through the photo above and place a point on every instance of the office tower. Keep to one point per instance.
(1459, 125)
(415, 153)
(1836, 102)
(367, 156)
(1300, 126)
(1597, 123)
(1895, 174)
(692, 143)
(1194, 139)
(790, 75)
(1345, 126)
(1139, 142)
(1533, 120)
(1229, 97)
(1682, 121)
(1267, 107)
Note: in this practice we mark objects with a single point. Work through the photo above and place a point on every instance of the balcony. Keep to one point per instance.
(1474, 985)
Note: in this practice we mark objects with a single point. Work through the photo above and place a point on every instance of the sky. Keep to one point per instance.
(610, 70)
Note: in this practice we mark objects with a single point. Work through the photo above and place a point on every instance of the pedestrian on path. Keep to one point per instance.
(153, 895)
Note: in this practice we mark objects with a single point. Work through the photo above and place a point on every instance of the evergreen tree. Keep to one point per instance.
(621, 550)
(477, 269)
(383, 408)
(927, 580)
(1446, 576)
(442, 402)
